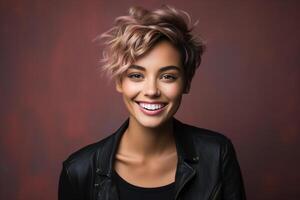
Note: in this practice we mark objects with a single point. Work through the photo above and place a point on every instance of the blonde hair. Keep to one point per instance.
(133, 35)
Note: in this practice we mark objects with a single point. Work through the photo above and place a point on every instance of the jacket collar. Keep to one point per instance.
(184, 145)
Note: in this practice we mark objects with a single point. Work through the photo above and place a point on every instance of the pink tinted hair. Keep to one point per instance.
(133, 35)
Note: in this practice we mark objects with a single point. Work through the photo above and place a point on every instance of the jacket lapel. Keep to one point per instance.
(105, 158)
(186, 156)
(107, 189)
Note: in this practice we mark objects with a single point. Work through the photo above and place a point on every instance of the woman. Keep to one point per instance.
(152, 57)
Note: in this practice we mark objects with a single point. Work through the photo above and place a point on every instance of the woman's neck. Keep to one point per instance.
(147, 142)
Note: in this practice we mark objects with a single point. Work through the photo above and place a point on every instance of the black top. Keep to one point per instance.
(133, 192)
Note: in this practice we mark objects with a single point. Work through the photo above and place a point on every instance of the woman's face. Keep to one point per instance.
(152, 86)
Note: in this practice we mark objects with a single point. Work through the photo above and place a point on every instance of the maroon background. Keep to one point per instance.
(53, 100)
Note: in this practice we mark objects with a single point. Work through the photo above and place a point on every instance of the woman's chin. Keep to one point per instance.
(150, 122)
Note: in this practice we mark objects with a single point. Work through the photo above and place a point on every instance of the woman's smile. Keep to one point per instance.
(151, 108)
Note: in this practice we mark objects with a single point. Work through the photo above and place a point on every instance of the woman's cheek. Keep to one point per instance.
(174, 91)
(131, 88)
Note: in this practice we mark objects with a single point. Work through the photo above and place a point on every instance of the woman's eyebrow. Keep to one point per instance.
(170, 67)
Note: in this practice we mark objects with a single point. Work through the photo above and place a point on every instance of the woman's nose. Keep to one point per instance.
(151, 88)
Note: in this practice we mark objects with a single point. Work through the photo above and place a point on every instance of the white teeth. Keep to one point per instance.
(151, 106)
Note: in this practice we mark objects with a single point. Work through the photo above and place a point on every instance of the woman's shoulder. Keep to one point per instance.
(205, 137)
(208, 143)
(86, 154)
(86, 157)
(204, 133)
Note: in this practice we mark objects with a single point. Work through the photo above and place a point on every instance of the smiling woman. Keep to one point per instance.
(152, 57)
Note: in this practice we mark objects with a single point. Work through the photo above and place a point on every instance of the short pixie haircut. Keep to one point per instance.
(133, 35)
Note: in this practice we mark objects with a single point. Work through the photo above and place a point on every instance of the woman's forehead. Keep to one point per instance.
(161, 54)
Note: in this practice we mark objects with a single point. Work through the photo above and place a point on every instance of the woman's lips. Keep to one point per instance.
(151, 112)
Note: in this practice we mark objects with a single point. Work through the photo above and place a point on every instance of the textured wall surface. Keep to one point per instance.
(54, 101)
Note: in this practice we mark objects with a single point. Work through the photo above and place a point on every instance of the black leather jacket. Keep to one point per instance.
(207, 168)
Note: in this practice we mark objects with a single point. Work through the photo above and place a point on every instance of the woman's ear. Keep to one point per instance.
(118, 84)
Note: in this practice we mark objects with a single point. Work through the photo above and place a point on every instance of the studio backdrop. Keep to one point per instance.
(54, 100)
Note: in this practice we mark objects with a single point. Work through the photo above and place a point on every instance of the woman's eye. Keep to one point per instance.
(135, 76)
(169, 77)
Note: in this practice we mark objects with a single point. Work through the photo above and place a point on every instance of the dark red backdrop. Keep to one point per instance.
(53, 100)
